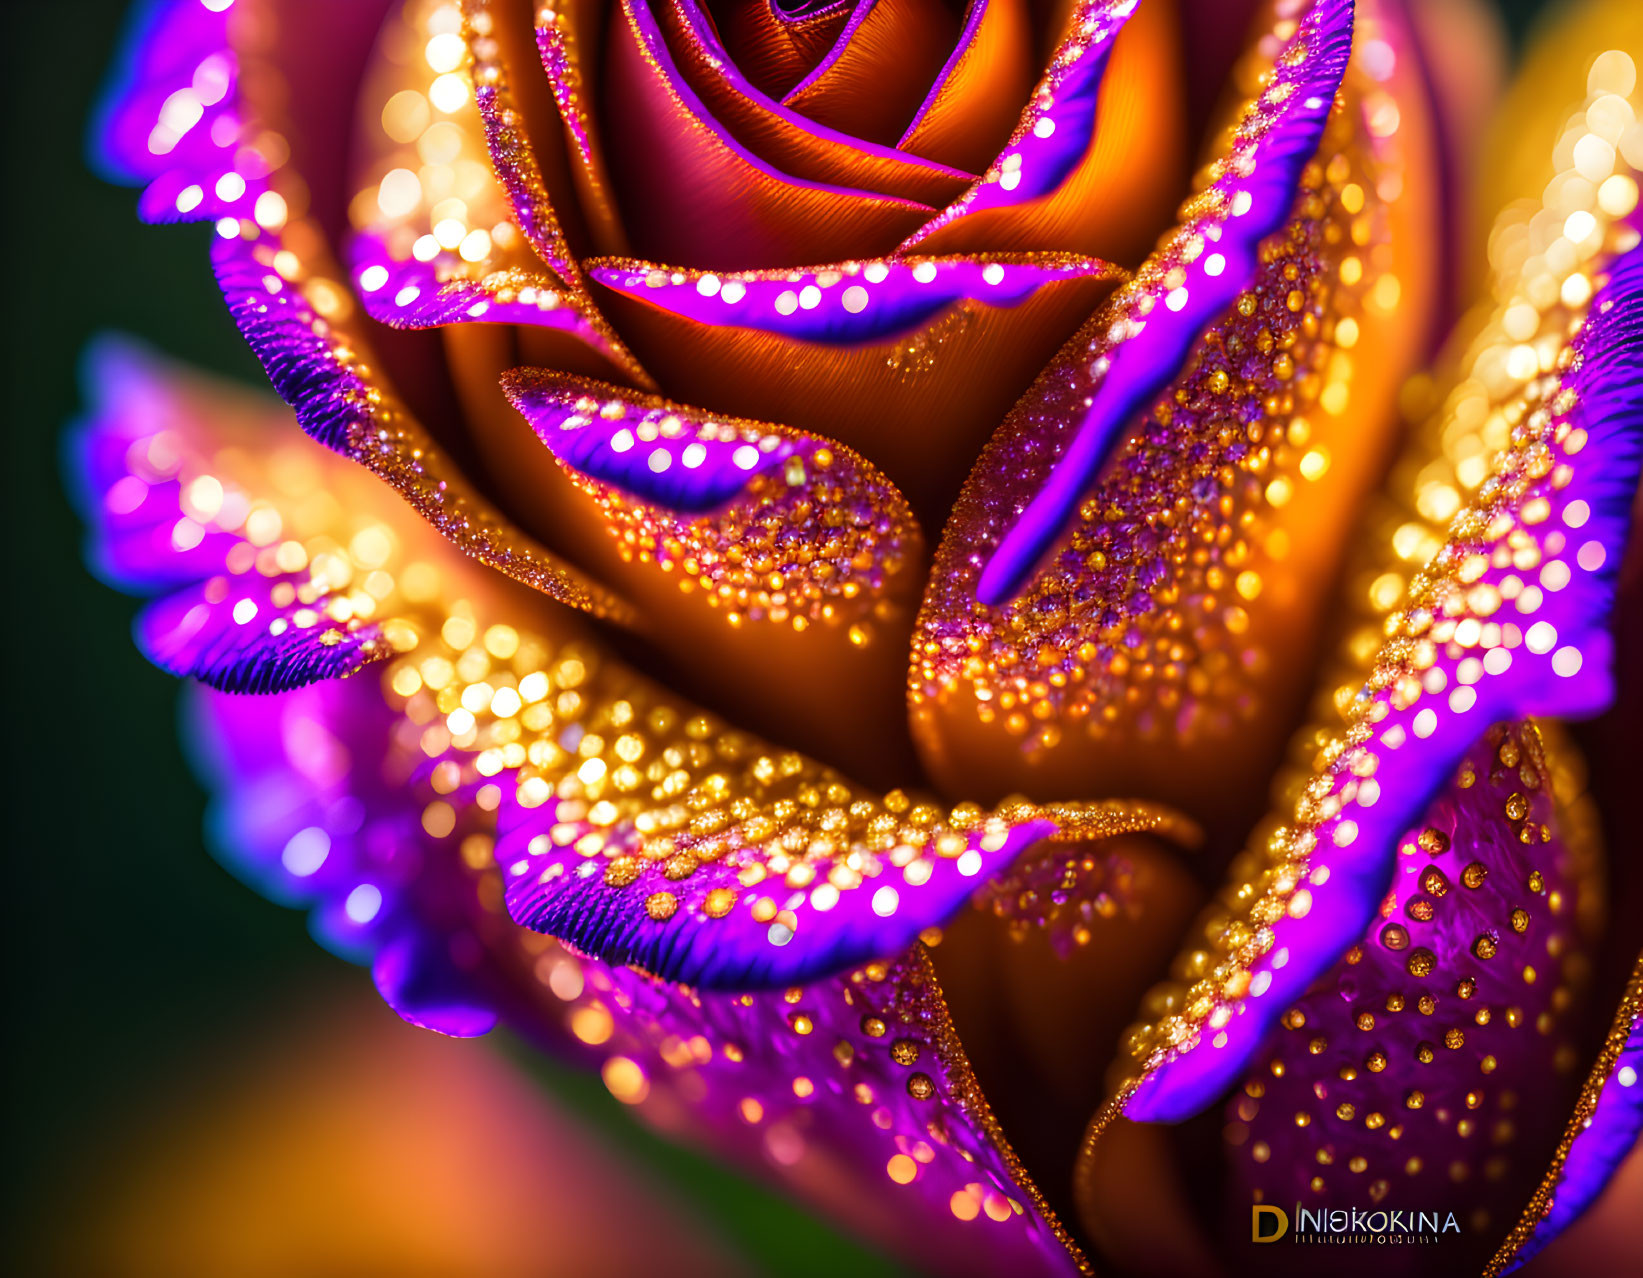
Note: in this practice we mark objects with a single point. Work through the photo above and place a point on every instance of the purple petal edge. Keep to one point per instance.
(853, 303)
(552, 888)
(1608, 1136)
(224, 622)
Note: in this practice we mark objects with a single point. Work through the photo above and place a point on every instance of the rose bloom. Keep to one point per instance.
(808, 518)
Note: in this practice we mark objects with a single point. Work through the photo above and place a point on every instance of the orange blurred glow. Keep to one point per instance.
(346, 1142)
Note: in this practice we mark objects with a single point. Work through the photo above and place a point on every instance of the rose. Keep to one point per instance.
(1127, 584)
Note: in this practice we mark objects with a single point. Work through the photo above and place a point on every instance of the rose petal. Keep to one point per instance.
(951, 380)
(753, 551)
(403, 292)
(1060, 181)
(693, 194)
(435, 243)
(489, 30)
(823, 1089)
(246, 617)
(1163, 314)
(173, 84)
(1178, 607)
(664, 453)
(1443, 1038)
(775, 44)
(870, 83)
(365, 802)
(567, 38)
(303, 817)
(292, 308)
(325, 379)
(971, 108)
(1510, 618)
(848, 302)
(784, 138)
(853, 1091)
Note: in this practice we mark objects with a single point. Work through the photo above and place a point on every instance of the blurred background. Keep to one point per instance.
(193, 1086)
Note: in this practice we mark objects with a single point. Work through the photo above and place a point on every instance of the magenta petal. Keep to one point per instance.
(1549, 654)
(231, 633)
(173, 84)
(852, 1092)
(709, 929)
(1436, 1040)
(306, 814)
(129, 490)
(403, 292)
(849, 303)
(656, 453)
(232, 618)
(1167, 311)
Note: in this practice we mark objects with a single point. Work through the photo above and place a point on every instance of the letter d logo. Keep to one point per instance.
(1277, 1223)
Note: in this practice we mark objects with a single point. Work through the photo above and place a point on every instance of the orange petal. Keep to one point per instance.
(977, 96)
(1114, 202)
(774, 52)
(693, 194)
(783, 137)
(817, 689)
(871, 82)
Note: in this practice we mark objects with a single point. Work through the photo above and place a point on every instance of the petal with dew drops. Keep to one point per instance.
(402, 291)
(327, 379)
(306, 813)
(309, 809)
(856, 1092)
(1055, 129)
(256, 634)
(821, 1089)
(372, 803)
(1446, 1037)
(870, 83)
(1178, 610)
(782, 136)
(849, 302)
(1211, 260)
(1509, 618)
(485, 28)
(161, 109)
(660, 452)
(693, 194)
(950, 380)
(769, 524)
(1099, 155)
(787, 615)
(762, 869)
(971, 108)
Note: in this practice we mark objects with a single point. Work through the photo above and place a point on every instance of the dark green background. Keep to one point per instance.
(128, 950)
